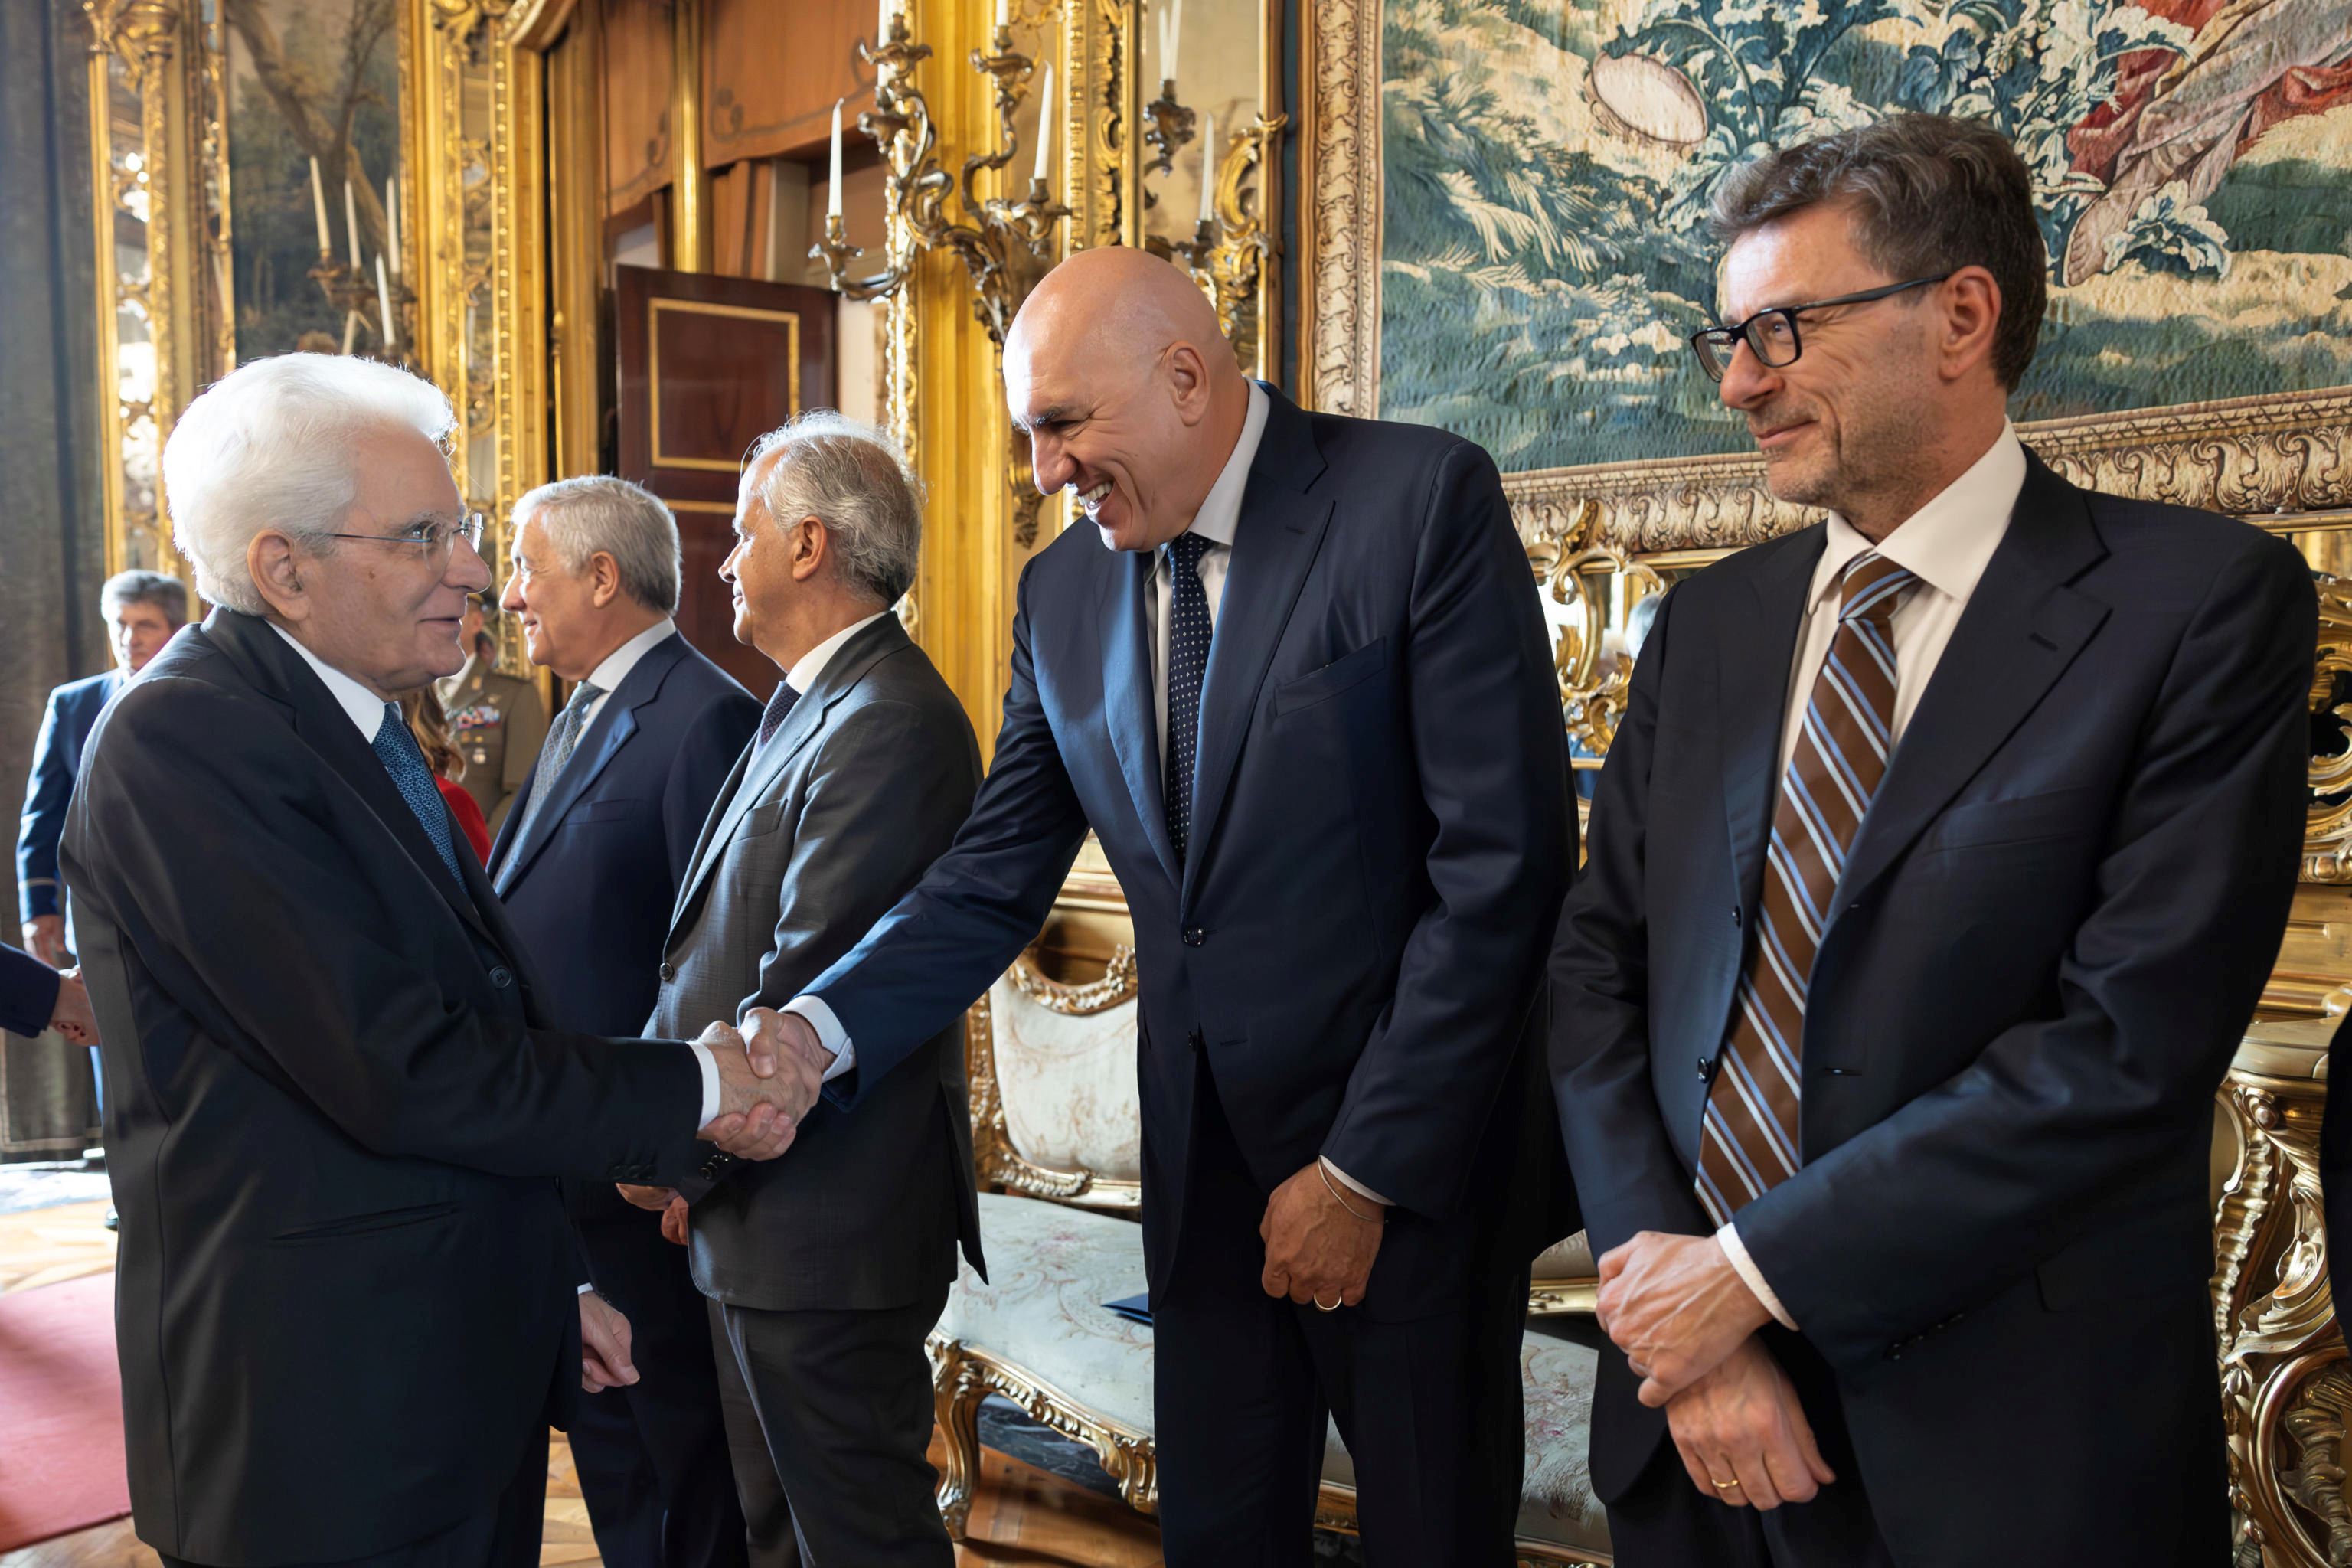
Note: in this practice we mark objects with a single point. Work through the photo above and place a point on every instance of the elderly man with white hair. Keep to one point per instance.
(345, 1299)
(588, 865)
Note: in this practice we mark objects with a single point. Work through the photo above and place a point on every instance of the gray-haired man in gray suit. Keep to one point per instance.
(826, 1267)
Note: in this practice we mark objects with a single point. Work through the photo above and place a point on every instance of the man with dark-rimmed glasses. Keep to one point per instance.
(1889, 1105)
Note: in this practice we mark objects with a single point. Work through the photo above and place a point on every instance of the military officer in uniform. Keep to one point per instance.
(498, 722)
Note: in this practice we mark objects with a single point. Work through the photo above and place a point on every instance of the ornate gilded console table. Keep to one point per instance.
(2286, 1386)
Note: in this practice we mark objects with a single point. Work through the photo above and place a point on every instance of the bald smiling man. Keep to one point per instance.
(1294, 678)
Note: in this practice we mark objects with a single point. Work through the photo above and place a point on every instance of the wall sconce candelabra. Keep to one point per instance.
(998, 241)
(1003, 245)
(1230, 245)
(1171, 128)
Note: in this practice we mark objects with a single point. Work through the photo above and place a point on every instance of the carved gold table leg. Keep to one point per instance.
(2286, 1386)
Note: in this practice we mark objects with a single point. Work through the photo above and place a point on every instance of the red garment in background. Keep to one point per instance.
(469, 818)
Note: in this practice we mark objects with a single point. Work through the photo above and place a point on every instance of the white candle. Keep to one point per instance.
(391, 220)
(352, 222)
(1045, 126)
(383, 302)
(882, 24)
(319, 206)
(1208, 167)
(832, 192)
(1004, 14)
(1175, 38)
(351, 331)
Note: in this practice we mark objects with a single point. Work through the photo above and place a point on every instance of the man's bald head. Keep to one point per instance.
(1130, 394)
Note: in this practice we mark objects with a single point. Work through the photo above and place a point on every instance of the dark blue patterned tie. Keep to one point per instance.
(1189, 629)
(396, 749)
(780, 707)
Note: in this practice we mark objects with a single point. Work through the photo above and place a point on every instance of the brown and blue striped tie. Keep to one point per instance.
(1748, 1139)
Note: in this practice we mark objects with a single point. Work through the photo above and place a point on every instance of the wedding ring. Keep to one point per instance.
(1725, 1486)
(1322, 1307)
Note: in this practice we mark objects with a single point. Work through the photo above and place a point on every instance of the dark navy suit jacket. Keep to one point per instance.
(28, 992)
(2048, 938)
(66, 725)
(591, 890)
(1352, 951)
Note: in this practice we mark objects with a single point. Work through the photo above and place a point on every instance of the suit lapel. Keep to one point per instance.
(320, 722)
(758, 769)
(1129, 701)
(2022, 626)
(1756, 654)
(1275, 544)
(614, 724)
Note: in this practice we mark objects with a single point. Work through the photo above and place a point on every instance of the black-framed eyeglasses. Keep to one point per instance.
(436, 536)
(1771, 335)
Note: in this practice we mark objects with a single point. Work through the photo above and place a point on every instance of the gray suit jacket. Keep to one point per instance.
(812, 839)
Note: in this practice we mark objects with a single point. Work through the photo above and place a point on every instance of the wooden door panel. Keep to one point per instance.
(708, 366)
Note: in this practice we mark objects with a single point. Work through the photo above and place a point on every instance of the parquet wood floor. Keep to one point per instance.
(1020, 1518)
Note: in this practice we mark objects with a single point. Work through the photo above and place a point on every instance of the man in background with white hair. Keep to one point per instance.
(345, 1295)
(588, 863)
(827, 1268)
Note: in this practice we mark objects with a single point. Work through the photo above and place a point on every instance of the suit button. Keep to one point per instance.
(1195, 936)
(1735, 915)
(1703, 1065)
(502, 977)
(669, 969)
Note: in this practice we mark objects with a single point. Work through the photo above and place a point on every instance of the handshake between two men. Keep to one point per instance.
(769, 1071)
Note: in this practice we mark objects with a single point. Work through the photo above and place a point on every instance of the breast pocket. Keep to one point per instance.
(593, 812)
(1340, 675)
(2029, 819)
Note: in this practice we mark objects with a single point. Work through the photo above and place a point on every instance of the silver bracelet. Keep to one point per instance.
(1358, 1218)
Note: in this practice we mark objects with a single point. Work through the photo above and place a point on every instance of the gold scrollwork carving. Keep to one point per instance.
(962, 1375)
(2284, 1386)
(2327, 834)
(1589, 569)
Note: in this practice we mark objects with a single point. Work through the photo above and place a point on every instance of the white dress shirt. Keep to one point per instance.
(366, 712)
(1946, 544)
(617, 664)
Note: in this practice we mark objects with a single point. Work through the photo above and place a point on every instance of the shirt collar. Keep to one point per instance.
(365, 708)
(810, 668)
(608, 675)
(1948, 543)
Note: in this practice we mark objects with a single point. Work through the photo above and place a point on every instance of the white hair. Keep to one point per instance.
(627, 521)
(853, 478)
(269, 446)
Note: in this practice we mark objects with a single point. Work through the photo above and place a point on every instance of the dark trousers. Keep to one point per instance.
(1662, 1521)
(829, 1424)
(1243, 1383)
(652, 1458)
(505, 1534)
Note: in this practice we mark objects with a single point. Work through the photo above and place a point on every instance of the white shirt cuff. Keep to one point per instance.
(829, 1033)
(587, 1289)
(1353, 1184)
(711, 1095)
(1737, 1251)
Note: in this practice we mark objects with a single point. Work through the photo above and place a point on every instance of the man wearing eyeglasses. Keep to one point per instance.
(346, 1292)
(1936, 869)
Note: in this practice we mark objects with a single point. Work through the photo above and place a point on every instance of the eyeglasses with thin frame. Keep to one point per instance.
(1771, 335)
(436, 536)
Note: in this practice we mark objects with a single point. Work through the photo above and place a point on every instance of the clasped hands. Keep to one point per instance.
(769, 1072)
(768, 1075)
(1687, 1323)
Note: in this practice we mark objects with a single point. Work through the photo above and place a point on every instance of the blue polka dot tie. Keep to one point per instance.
(1189, 629)
(396, 749)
